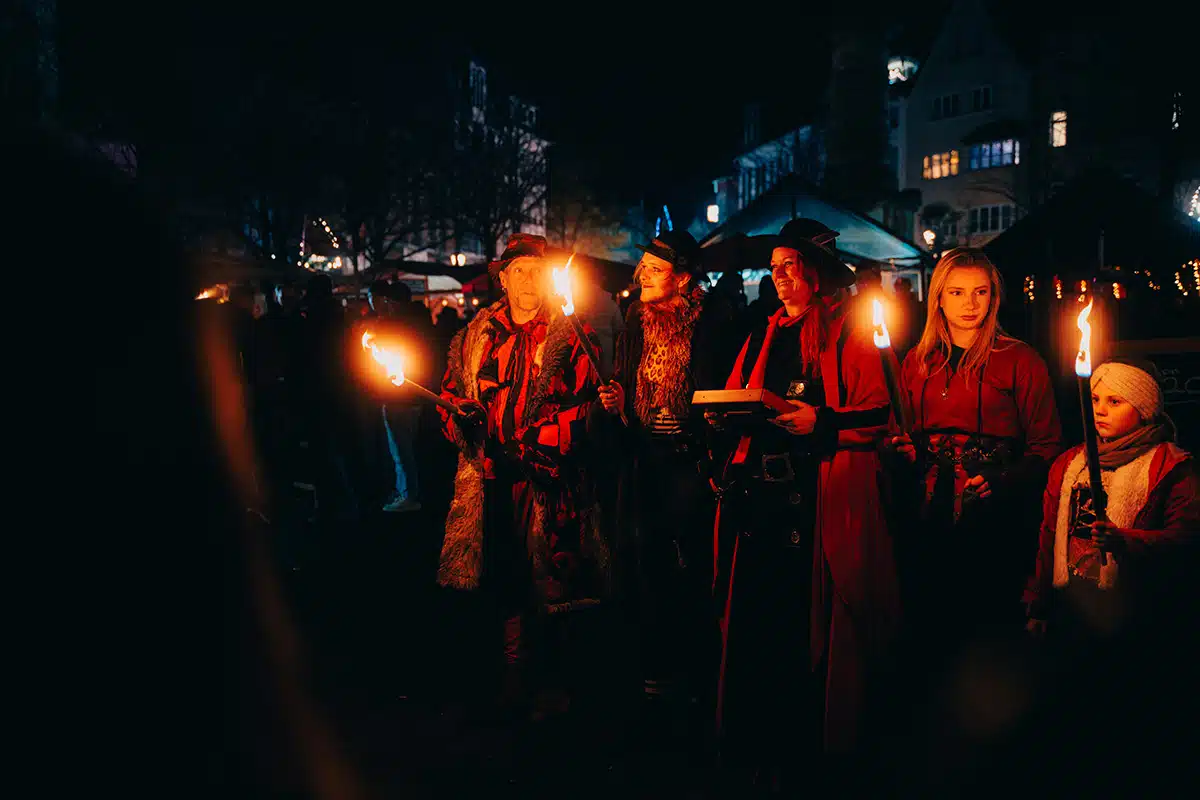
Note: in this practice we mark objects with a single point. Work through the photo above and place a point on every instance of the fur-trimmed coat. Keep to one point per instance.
(663, 372)
(534, 381)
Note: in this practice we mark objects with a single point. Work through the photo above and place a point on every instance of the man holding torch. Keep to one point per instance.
(521, 528)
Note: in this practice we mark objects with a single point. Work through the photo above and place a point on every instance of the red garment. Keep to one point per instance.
(509, 366)
(499, 364)
(855, 602)
(1169, 520)
(1014, 399)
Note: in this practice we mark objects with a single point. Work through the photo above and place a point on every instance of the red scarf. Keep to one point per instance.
(758, 375)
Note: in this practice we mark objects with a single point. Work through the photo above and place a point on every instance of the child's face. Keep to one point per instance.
(1115, 416)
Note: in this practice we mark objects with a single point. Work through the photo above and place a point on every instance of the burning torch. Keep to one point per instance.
(883, 342)
(562, 287)
(1083, 369)
(393, 365)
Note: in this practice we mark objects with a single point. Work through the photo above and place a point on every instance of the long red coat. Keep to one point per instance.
(855, 595)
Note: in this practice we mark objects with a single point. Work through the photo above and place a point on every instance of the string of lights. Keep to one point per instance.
(314, 260)
(332, 239)
(1028, 288)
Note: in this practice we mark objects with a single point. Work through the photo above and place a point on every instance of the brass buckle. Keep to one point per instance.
(777, 468)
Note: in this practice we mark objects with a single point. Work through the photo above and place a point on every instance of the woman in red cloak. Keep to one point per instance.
(805, 567)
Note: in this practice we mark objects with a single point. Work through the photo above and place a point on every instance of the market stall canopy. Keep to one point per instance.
(1063, 236)
(860, 237)
(477, 285)
(439, 274)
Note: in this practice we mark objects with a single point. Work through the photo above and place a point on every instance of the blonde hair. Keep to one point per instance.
(935, 340)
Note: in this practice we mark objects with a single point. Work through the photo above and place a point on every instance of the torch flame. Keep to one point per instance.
(389, 359)
(1083, 361)
(562, 286)
(882, 338)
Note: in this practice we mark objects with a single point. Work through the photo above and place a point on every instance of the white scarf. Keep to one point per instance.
(1126, 488)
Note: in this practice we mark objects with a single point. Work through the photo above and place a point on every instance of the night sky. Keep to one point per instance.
(651, 103)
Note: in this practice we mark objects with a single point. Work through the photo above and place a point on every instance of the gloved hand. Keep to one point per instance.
(471, 412)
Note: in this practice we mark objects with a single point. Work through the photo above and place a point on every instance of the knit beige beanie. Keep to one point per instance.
(1136, 386)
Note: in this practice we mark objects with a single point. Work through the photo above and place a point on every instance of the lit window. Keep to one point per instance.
(940, 165)
(714, 213)
(1058, 129)
(995, 154)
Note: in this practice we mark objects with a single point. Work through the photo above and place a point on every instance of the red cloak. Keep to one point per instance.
(855, 593)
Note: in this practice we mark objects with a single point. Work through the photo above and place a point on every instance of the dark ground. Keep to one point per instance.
(400, 672)
(403, 673)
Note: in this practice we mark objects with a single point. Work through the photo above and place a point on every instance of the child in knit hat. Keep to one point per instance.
(1153, 503)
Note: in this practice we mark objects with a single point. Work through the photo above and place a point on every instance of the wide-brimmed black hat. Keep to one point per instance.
(811, 239)
(815, 231)
(520, 245)
(677, 247)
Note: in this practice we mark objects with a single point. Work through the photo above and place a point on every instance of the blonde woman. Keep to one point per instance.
(985, 431)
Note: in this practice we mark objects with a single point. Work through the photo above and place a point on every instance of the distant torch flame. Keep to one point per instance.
(562, 286)
(213, 292)
(1083, 361)
(390, 360)
(882, 339)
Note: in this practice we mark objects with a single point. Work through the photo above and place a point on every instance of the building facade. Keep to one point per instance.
(1001, 117)
(757, 169)
(965, 126)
